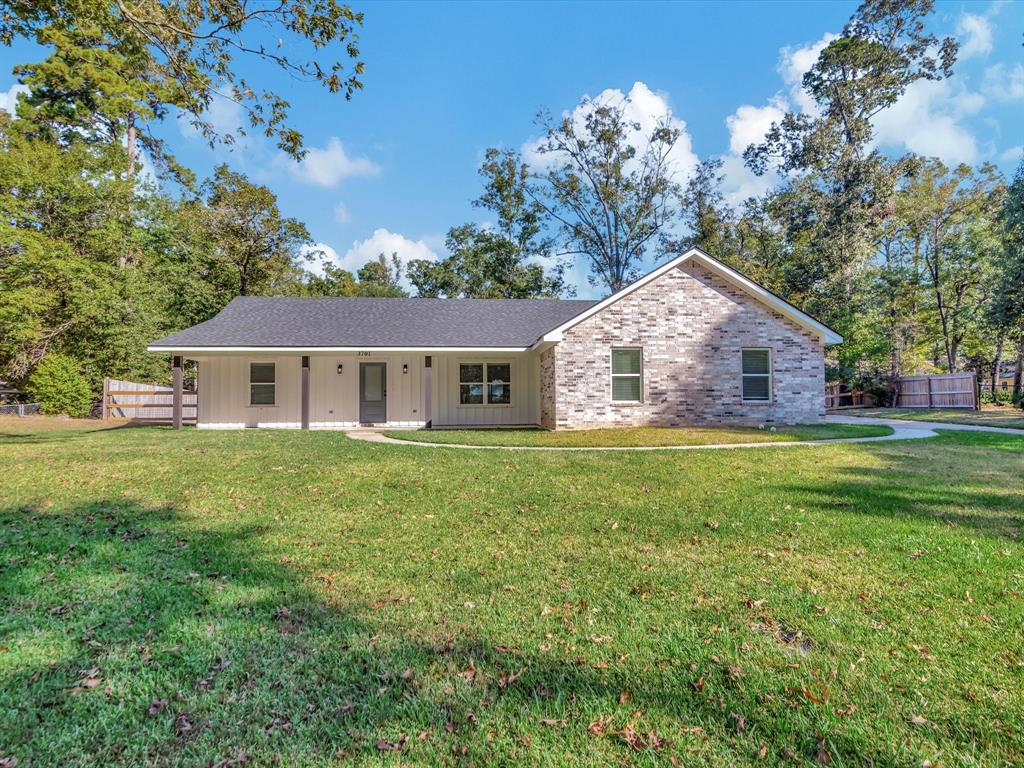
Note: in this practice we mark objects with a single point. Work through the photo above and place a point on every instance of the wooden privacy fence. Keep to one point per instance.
(836, 399)
(946, 390)
(146, 402)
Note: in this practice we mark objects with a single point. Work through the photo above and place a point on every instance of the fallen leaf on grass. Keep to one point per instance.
(90, 678)
(918, 720)
(392, 746)
(625, 697)
(822, 756)
(552, 722)
(641, 741)
(230, 762)
(506, 680)
(183, 725)
(409, 675)
(155, 706)
(8, 762)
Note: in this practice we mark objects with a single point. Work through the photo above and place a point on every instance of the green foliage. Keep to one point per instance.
(113, 67)
(381, 277)
(501, 262)
(246, 231)
(59, 386)
(609, 188)
(1007, 311)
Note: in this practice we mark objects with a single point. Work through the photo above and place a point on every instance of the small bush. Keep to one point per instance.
(59, 386)
(999, 397)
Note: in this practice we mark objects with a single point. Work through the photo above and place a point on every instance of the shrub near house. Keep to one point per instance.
(60, 387)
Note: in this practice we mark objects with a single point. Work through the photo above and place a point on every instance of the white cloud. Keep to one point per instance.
(316, 255)
(740, 182)
(1012, 155)
(327, 166)
(794, 63)
(341, 214)
(226, 117)
(646, 108)
(362, 251)
(927, 120)
(749, 124)
(975, 33)
(1004, 85)
(9, 100)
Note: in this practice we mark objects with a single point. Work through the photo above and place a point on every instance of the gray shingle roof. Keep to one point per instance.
(257, 321)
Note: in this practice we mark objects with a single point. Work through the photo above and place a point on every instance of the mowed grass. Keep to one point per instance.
(988, 416)
(304, 599)
(638, 436)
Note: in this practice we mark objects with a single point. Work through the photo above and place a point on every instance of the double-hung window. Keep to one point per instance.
(262, 384)
(485, 384)
(757, 375)
(627, 374)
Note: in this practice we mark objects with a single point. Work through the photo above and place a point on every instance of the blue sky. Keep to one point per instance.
(395, 167)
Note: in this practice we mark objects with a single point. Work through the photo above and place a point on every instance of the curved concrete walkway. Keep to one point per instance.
(902, 430)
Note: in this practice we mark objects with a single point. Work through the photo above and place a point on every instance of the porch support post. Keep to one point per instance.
(305, 391)
(176, 383)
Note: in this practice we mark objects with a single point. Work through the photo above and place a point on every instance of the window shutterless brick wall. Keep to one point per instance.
(692, 326)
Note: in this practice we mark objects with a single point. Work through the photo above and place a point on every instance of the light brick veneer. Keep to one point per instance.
(691, 325)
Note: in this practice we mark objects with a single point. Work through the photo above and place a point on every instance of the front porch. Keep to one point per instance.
(346, 390)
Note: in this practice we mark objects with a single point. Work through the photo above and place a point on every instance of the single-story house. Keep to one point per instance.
(693, 342)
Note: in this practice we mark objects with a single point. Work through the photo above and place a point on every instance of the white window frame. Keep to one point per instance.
(263, 383)
(613, 375)
(487, 389)
(770, 375)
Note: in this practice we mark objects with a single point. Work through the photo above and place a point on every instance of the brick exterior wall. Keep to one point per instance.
(692, 326)
(548, 361)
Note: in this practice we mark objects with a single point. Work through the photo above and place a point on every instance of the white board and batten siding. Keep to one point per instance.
(333, 397)
(446, 411)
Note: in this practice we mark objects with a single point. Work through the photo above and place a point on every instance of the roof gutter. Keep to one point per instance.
(191, 350)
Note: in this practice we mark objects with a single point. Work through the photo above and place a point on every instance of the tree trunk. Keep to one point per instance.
(1018, 375)
(995, 366)
(133, 149)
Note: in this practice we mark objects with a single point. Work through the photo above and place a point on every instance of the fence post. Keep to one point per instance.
(929, 380)
(105, 406)
(304, 410)
(176, 395)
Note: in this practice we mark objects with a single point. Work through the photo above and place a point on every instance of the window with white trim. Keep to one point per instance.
(485, 383)
(757, 375)
(627, 374)
(262, 384)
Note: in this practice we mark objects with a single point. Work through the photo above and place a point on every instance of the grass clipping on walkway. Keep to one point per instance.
(299, 598)
(634, 437)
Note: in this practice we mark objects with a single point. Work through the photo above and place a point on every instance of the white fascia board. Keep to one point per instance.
(183, 350)
(767, 297)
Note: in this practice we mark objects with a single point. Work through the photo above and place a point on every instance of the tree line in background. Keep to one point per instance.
(919, 266)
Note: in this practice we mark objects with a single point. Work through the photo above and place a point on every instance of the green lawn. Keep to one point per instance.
(304, 599)
(638, 436)
(988, 416)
